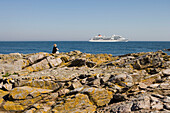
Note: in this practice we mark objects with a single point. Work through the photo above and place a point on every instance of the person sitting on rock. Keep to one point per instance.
(55, 49)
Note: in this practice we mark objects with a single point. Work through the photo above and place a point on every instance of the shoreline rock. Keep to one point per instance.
(83, 82)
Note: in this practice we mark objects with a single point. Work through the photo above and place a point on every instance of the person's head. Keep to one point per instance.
(55, 45)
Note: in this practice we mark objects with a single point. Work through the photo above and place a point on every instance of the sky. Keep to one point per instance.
(80, 20)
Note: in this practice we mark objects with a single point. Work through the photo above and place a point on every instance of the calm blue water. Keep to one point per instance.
(118, 48)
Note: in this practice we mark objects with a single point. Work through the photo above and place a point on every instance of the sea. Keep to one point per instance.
(114, 48)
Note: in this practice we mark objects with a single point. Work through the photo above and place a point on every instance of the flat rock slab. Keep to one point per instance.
(23, 92)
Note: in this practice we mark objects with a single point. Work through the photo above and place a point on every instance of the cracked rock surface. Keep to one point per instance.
(77, 82)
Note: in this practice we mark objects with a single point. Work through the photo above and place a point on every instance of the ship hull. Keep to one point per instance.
(108, 40)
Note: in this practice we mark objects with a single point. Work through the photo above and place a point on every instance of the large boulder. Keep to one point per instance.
(35, 58)
(148, 60)
(41, 65)
(7, 68)
(77, 63)
(12, 67)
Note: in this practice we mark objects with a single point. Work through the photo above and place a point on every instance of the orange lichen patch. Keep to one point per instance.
(100, 97)
(78, 103)
(11, 106)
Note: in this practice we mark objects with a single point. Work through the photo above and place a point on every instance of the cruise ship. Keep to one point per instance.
(113, 38)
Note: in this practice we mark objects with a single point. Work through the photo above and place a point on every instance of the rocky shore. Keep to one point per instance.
(77, 82)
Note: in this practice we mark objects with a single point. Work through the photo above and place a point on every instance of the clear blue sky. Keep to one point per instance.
(79, 20)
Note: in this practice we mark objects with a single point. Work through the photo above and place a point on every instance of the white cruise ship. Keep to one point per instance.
(113, 38)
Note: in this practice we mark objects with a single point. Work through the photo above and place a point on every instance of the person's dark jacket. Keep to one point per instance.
(54, 49)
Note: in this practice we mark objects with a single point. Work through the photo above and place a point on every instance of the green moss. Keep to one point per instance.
(6, 75)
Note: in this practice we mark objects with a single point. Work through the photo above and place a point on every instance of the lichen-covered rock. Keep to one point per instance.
(44, 110)
(32, 110)
(7, 86)
(11, 106)
(44, 84)
(99, 97)
(79, 103)
(77, 62)
(2, 95)
(123, 80)
(90, 64)
(39, 91)
(75, 52)
(23, 92)
(20, 92)
(148, 60)
(29, 102)
(137, 82)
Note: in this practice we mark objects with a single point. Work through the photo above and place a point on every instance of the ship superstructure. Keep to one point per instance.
(113, 38)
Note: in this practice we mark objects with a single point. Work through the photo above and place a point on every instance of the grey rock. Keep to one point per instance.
(125, 108)
(105, 78)
(167, 106)
(142, 86)
(19, 64)
(120, 77)
(157, 106)
(77, 62)
(142, 102)
(119, 97)
(32, 110)
(7, 86)
(34, 58)
(136, 77)
(41, 65)
(13, 76)
(165, 85)
(76, 84)
(54, 61)
(83, 81)
(90, 64)
(154, 85)
(166, 72)
(1, 84)
(63, 91)
(96, 82)
(148, 60)
(7, 68)
(75, 52)
(16, 55)
(166, 99)
(157, 96)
